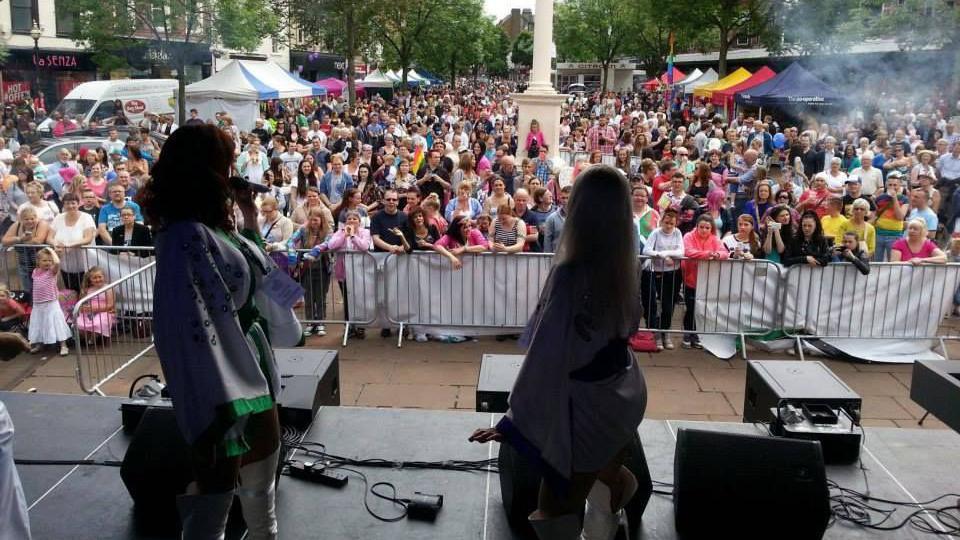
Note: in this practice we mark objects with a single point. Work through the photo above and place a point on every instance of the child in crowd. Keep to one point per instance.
(48, 325)
(97, 317)
(12, 314)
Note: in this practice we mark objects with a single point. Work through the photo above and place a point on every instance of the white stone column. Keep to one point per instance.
(540, 101)
(542, 43)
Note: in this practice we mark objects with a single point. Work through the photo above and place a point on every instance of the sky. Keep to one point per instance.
(501, 8)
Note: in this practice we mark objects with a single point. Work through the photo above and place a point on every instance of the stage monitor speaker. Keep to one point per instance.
(309, 378)
(729, 485)
(520, 486)
(156, 468)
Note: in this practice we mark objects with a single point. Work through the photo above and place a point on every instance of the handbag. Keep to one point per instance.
(642, 341)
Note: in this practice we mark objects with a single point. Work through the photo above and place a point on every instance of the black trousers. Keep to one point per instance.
(662, 286)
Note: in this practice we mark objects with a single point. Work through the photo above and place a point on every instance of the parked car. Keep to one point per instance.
(46, 149)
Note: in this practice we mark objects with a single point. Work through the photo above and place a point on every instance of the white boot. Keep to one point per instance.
(204, 516)
(601, 519)
(257, 494)
(566, 527)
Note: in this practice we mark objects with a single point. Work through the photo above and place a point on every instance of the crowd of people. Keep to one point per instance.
(443, 170)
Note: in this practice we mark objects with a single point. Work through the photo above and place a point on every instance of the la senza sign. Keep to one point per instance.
(55, 60)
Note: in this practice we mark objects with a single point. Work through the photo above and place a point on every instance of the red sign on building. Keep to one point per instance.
(15, 91)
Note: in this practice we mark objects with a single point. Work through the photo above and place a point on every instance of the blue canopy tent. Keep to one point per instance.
(791, 87)
(430, 77)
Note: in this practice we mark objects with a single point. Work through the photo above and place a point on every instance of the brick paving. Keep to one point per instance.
(682, 384)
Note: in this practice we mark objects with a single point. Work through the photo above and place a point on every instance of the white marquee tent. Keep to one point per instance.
(238, 87)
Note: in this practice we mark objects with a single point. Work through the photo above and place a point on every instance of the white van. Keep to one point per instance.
(95, 100)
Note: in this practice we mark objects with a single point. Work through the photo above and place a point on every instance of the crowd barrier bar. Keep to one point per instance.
(507, 308)
(100, 359)
(827, 292)
(113, 266)
(740, 301)
(324, 302)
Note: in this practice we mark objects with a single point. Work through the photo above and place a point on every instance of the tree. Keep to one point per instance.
(400, 24)
(596, 31)
(496, 49)
(171, 26)
(816, 26)
(341, 25)
(437, 49)
(521, 53)
(724, 21)
(915, 24)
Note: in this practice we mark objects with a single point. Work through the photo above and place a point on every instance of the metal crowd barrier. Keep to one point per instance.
(733, 297)
(895, 301)
(116, 261)
(570, 159)
(491, 290)
(353, 302)
(110, 342)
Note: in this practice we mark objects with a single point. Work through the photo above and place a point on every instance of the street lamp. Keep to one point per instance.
(35, 33)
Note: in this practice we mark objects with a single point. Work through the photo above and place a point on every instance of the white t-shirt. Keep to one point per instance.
(74, 259)
(871, 180)
(45, 212)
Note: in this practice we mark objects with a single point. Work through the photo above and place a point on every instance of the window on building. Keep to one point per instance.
(21, 16)
(743, 40)
(66, 19)
(592, 81)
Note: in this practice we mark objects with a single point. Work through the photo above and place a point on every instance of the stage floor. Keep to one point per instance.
(90, 502)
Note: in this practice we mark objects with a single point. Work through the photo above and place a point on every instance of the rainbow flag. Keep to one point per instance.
(417, 160)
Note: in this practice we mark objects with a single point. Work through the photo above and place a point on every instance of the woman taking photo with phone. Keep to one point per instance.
(580, 395)
(212, 316)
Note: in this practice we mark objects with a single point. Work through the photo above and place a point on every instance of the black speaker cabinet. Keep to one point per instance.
(520, 485)
(155, 469)
(309, 378)
(730, 485)
(772, 382)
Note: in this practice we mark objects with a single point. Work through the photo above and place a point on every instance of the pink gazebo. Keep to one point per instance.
(335, 87)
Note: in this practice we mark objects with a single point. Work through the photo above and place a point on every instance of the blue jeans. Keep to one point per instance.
(884, 243)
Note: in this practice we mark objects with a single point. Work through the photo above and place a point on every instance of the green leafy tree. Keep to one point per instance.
(717, 23)
(496, 49)
(340, 26)
(455, 41)
(817, 26)
(171, 26)
(914, 24)
(521, 53)
(400, 25)
(596, 31)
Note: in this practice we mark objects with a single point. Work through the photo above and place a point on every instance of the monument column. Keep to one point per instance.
(540, 101)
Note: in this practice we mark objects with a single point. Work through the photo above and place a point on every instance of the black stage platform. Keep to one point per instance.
(91, 502)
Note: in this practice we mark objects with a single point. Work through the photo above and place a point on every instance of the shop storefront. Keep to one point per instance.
(621, 75)
(313, 66)
(56, 72)
(151, 60)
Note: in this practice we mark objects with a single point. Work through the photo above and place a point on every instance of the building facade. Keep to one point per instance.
(519, 20)
(54, 64)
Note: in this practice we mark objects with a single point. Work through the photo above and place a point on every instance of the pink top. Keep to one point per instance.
(44, 286)
(339, 241)
(695, 247)
(475, 238)
(531, 136)
(926, 250)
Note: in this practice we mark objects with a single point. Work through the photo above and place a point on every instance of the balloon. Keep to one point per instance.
(779, 140)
